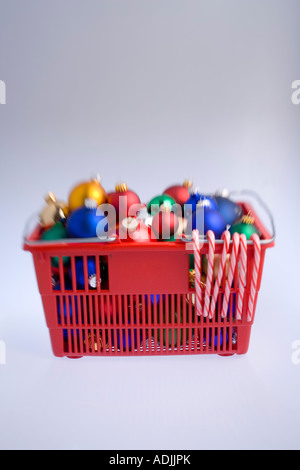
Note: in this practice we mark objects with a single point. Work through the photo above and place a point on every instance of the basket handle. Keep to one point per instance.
(248, 192)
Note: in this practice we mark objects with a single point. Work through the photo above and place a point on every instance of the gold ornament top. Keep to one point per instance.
(121, 188)
(188, 184)
(50, 198)
(96, 178)
(248, 219)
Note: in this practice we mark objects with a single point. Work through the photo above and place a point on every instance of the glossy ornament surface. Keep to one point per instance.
(180, 193)
(205, 220)
(156, 203)
(56, 232)
(124, 201)
(164, 225)
(88, 190)
(87, 222)
(54, 211)
(246, 227)
(92, 281)
(196, 199)
(231, 211)
(134, 230)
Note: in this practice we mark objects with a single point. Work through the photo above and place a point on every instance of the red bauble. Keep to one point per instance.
(164, 225)
(180, 193)
(122, 206)
(134, 230)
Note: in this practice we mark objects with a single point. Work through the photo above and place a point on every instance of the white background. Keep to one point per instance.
(149, 92)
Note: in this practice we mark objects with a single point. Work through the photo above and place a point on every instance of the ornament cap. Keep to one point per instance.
(50, 198)
(248, 219)
(224, 192)
(188, 183)
(193, 190)
(60, 215)
(96, 178)
(121, 188)
(90, 203)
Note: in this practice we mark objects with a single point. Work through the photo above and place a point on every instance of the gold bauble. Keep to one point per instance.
(87, 190)
(54, 211)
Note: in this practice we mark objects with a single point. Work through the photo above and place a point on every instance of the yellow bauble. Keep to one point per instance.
(88, 190)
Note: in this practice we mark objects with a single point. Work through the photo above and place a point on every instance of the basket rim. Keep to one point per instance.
(267, 240)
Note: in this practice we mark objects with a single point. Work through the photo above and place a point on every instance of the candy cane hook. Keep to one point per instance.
(233, 259)
(210, 271)
(197, 257)
(242, 275)
(254, 279)
(226, 238)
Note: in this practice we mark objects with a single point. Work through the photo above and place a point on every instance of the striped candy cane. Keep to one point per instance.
(233, 259)
(242, 275)
(256, 264)
(210, 271)
(226, 238)
(197, 256)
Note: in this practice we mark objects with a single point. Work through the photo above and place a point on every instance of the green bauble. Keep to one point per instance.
(158, 201)
(57, 232)
(246, 227)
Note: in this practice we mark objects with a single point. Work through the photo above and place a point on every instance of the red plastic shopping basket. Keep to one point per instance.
(144, 300)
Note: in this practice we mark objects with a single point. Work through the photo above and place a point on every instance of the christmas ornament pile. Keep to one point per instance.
(92, 212)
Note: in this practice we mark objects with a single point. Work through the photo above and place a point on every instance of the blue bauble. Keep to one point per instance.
(208, 202)
(70, 304)
(124, 339)
(216, 338)
(154, 298)
(66, 335)
(68, 286)
(231, 211)
(191, 204)
(79, 266)
(210, 338)
(71, 320)
(213, 220)
(84, 221)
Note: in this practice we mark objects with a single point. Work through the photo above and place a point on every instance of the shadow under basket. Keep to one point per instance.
(139, 299)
